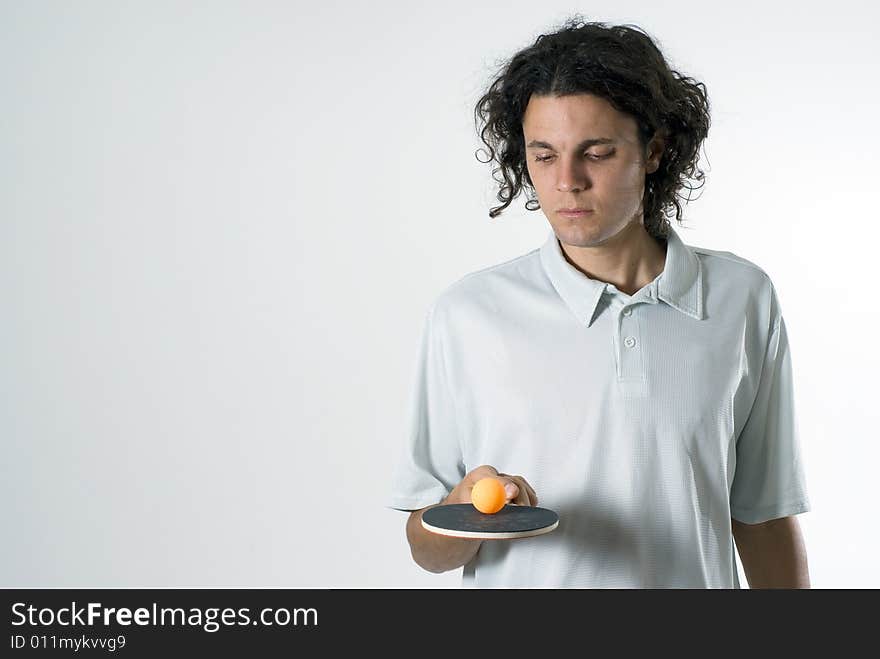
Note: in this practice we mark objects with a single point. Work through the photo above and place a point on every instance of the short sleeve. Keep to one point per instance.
(769, 479)
(430, 464)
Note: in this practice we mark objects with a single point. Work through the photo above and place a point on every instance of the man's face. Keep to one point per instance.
(567, 172)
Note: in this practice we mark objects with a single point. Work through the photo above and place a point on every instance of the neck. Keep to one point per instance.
(630, 260)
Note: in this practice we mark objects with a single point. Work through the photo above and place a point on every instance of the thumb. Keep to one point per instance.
(510, 490)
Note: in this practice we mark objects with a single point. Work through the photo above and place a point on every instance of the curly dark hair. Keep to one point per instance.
(621, 64)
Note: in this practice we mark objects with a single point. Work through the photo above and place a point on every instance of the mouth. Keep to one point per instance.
(574, 212)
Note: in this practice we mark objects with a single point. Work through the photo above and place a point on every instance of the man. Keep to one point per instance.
(638, 386)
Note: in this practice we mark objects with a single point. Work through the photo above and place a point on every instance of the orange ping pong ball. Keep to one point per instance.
(488, 495)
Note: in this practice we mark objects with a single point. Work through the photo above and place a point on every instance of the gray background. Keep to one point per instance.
(221, 224)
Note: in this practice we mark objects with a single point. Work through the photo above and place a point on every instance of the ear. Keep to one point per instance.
(655, 150)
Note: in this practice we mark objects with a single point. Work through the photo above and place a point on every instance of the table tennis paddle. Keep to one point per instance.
(462, 520)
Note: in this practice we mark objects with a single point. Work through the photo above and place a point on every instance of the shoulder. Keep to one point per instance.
(728, 263)
(489, 288)
(726, 267)
(729, 276)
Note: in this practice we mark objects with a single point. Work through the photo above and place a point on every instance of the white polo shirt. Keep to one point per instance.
(646, 421)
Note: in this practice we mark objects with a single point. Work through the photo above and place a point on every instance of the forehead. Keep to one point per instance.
(571, 117)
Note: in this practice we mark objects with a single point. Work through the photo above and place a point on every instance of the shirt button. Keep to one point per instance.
(629, 342)
(628, 311)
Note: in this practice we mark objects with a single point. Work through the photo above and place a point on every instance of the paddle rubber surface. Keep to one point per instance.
(462, 520)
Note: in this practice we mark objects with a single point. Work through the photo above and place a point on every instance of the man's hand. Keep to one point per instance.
(437, 553)
(517, 490)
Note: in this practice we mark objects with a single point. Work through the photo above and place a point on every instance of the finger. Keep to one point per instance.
(511, 490)
(526, 495)
(483, 471)
(515, 490)
(523, 499)
(533, 496)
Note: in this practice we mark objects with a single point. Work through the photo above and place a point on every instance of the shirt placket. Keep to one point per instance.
(627, 340)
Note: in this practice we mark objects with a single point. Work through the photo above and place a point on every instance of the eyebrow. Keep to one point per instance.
(538, 144)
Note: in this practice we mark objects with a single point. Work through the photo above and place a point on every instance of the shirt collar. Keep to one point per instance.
(680, 285)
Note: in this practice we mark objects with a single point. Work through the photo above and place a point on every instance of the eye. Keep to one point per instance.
(591, 156)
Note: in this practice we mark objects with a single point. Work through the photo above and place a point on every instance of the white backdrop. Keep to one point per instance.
(221, 224)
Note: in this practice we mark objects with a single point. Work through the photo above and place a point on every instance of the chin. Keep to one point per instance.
(582, 236)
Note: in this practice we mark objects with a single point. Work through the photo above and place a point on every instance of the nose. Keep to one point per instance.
(571, 178)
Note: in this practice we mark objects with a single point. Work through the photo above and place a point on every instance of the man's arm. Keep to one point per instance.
(772, 553)
(437, 553)
(440, 553)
